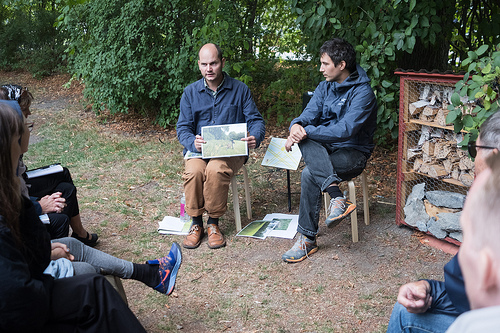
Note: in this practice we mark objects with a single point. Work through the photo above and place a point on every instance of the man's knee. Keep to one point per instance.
(306, 176)
(67, 189)
(193, 173)
(396, 320)
(219, 171)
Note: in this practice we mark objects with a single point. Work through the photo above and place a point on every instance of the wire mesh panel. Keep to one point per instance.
(434, 173)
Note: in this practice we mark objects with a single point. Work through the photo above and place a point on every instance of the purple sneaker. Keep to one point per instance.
(168, 267)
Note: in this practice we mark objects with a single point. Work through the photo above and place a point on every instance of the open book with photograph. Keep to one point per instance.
(224, 140)
(273, 225)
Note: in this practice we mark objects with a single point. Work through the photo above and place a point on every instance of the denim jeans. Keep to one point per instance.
(90, 260)
(323, 167)
(403, 321)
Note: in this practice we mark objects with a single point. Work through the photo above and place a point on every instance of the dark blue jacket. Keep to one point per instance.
(233, 104)
(449, 297)
(342, 114)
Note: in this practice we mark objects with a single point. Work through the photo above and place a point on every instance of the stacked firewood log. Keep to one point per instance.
(437, 153)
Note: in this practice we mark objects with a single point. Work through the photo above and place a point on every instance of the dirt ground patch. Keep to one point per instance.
(245, 287)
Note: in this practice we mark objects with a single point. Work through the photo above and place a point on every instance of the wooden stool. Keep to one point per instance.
(352, 198)
(236, 202)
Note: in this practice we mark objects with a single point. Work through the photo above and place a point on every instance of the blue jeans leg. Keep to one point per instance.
(318, 161)
(403, 321)
(310, 204)
(323, 167)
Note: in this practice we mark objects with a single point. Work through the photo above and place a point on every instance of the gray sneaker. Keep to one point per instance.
(339, 208)
(302, 248)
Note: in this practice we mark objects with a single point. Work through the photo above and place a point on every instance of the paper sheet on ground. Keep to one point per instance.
(277, 156)
(274, 225)
(174, 226)
(285, 229)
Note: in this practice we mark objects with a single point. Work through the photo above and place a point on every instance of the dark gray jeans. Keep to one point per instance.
(324, 166)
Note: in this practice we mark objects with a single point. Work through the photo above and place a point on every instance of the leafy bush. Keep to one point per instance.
(480, 87)
(278, 87)
(30, 41)
(134, 55)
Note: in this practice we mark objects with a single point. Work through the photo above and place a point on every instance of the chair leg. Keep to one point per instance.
(247, 192)
(236, 204)
(326, 202)
(364, 184)
(354, 216)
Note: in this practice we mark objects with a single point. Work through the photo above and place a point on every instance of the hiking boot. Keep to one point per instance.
(167, 269)
(339, 208)
(302, 248)
(215, 237)
(193, 239)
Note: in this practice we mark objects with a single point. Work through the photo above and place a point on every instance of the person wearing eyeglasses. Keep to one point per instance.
(430, 305)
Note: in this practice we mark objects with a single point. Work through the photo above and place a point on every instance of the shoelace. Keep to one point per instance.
(212, 231)
(303, 243)
(193, 229)
(336, 204)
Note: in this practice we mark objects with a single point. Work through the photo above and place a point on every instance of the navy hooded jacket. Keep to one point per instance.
(342, 114)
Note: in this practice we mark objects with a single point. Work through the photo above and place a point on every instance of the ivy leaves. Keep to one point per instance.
(476, 96)
(379, 31)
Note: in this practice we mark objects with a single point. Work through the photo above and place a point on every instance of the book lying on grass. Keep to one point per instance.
(43, 171)
(174, 226)
(287, 226)
(274, 225)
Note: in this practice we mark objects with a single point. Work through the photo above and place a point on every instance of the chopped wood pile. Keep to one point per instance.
(432, 104)
(437, 153)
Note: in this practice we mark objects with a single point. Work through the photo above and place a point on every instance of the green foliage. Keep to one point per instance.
(480, 87)
(279, 86)
(133, 55)
(29, 40)
(398, 33)
(379, 31)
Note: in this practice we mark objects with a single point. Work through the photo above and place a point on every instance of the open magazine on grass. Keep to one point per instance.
(273, 225)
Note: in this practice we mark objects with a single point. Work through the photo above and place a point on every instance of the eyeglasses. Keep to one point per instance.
(30, 125)
(472, 148)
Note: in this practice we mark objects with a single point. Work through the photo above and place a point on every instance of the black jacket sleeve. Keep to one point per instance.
(24, 301)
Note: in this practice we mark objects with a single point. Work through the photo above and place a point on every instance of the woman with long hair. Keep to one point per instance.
(33, 301)
(54, 194)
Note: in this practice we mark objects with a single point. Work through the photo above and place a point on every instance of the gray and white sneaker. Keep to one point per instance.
(339, 208)
(302, 248)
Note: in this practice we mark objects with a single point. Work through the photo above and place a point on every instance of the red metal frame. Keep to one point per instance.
(415, 77)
